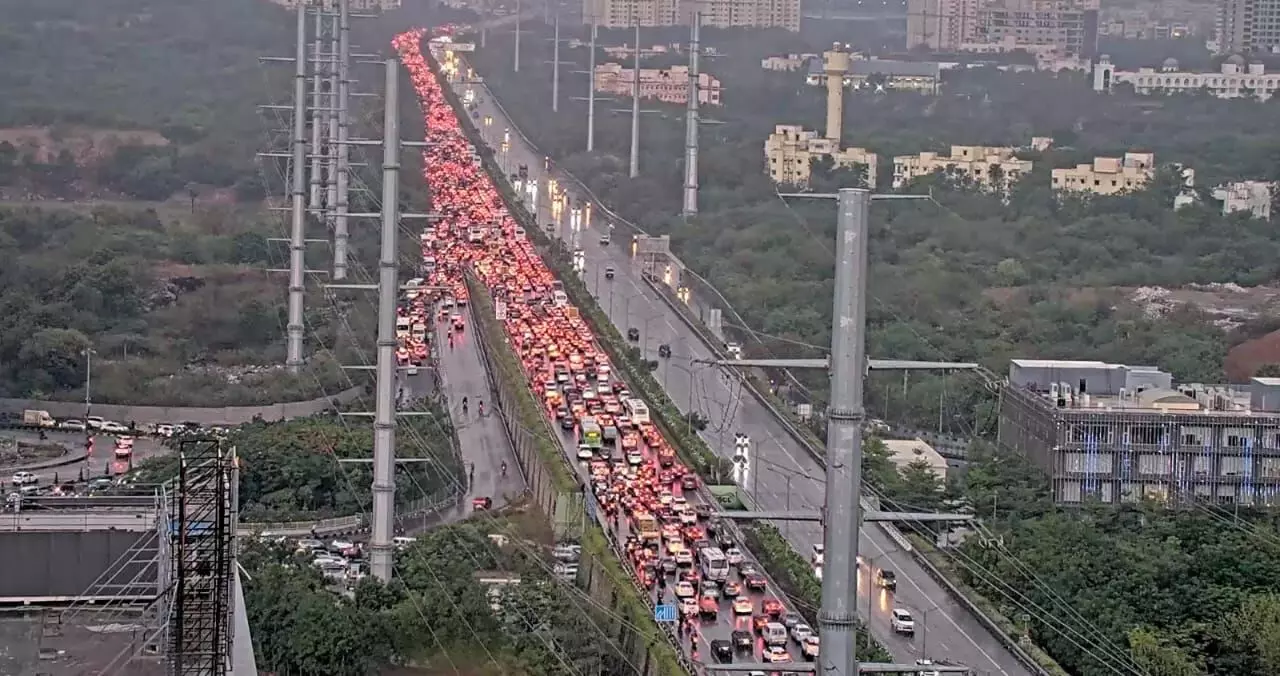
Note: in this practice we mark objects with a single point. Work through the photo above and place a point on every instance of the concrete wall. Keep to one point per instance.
(67, 564)
(225, 415)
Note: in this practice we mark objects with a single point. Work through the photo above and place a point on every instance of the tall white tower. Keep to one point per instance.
(835, 64)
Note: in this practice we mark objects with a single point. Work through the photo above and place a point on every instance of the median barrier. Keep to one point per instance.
(220, 415)
(69, 458)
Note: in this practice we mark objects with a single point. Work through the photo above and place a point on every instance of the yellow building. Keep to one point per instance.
(718, 13)
(1107, 175)
(905, 452)
(669, 86)
(976, 163)
(790, 150)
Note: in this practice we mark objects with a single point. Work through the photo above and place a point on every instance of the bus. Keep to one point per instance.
(638, 411)
(714, 564)
(589, 433)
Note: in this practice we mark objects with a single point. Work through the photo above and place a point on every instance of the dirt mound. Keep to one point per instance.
(1244, 360)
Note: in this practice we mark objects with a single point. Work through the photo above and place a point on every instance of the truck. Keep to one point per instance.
(591, 435)
(37, 418)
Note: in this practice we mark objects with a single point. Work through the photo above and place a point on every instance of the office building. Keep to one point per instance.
(1113, 433)
(669, 86)
(356, 5)
(993, 168)
(1234, 79)
(1108, 175)
(1245, 26)
(1253, 197)
(917, 76)
(790, 150)
(1068, 26)
(717, 13)
(788, 62)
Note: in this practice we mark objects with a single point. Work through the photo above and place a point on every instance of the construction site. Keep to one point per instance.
(1114, 433)
(138, 584)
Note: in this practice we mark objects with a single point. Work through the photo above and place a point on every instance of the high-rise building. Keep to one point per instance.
(1070, 27)
(718, 13)
(1247, 26)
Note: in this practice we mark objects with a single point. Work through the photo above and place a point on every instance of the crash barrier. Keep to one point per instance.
(519, 410)
(68, 458)
(221, 415)
(351, 525)
(806, 441)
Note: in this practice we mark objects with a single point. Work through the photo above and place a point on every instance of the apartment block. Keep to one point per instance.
(788, 62)
(1113, 433)
(669, 86)
(1108, 175)
(718, 13)
(790, 150)
(1254, 197)
(1069, 26)
(917, 76)
(994, 168)
(1234, 79)
(1245, 26)
(356, 5)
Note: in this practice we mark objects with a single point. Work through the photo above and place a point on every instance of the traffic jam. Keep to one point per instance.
(676, 547)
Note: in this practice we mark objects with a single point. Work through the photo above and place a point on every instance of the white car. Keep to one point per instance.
(817, 572)
(818, 551)
(800, 632)
(684, 558)
(73, 425)
(585, 453)
(776, 654)
(733, 556)
(635, 458)
(927, 671)
(113, 427)
(902, 621)
(24, 478)
(809, 648)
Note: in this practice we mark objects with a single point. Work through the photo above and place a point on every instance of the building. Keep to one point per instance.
(788, 62)
(356, 5)
(903, 452)
(790, 150)
(1108, 175)
(1070, 26)
(668, 86)
(994, 168)
(919, 76)
(1114, 433)
(1235, 79)
(1252, 196)
(1245, 26)
(718, 13)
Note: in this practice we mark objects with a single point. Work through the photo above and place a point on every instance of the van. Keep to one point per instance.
(774, 634)
(402, 541)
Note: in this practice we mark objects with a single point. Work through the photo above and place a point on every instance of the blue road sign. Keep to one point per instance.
(664, 612)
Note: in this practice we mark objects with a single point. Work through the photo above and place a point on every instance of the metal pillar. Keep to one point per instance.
(635, 109)
(837, 618)
(691, 124)
(516, 66)
(313, 204)
(384, 423)
(591, 96)
(555, 67)
(297, 231)
(331, 133)
(342, 203)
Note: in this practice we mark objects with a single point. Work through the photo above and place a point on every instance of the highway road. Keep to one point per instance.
(788, 477)
(483, 442)
(99, 462)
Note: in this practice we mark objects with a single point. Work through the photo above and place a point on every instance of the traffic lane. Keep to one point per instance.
(481, 440)
(723, 626)
(949, 627)
(101, 462)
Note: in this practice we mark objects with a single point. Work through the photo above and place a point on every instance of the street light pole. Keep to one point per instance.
(591, 96)
(516, 66)
(88, 381)
(635, 109)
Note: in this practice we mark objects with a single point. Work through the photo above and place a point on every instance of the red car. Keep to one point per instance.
(772, 607)
(481, 504)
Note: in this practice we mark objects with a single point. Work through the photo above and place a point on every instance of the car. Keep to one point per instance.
(746, 568)
(790, 620)
(756, 582)
(772, 607)
(684, 557)
(633, 334)
(819, 551)
(731, 589)
(722, 650)
(609, 272)
(734, 556)
(708, 605)
(586, 452)
(73, 425)
(684, 590)
(809, 647)
(481, 503)
(689, 482)
(668, 567)
(817, 572)
(742, 606)
(928, 670)
(902, 622)
(742, 640)
(688, 606)
(113, 427)
(776, 655)
(24, 479)
(759, 622)
(886, 579)
(664, 351)
(702, 511)
(800, 632)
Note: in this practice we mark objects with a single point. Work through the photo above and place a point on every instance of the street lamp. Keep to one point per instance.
(88, 353)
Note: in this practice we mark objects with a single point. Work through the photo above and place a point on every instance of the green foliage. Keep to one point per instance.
(1189, 592)
(289, 470)
(434, 610)
(795, 576)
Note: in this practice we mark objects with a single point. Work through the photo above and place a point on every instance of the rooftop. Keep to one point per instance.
(886, 67)
(88, 644)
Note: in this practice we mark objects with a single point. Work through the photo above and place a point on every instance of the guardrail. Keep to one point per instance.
(350, 525)
(68, 458)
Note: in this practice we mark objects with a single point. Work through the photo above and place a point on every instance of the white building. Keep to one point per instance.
(1234, 80)
(788, 62)
(992, 167)
(903, 452)
(1251, 196)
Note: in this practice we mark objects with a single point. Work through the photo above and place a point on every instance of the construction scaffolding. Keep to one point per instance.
(202, 550)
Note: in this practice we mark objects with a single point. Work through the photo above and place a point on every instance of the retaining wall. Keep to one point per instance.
(222, 415)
